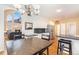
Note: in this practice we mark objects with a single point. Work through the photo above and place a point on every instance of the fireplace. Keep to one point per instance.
(39, 30)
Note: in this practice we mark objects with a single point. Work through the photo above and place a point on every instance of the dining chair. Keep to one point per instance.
(45, 37)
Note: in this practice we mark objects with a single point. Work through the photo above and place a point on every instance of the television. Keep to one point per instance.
(39, 30)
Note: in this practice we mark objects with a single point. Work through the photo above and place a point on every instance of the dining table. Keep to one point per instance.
(29, 46)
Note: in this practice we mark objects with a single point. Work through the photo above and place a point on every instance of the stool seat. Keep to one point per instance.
(65, 41)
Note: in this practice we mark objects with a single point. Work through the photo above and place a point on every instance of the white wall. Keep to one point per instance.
(2, 44)
(41, 20)
(1, 29)
(38, 22)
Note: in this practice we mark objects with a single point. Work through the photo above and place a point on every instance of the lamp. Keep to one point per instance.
(29, 9)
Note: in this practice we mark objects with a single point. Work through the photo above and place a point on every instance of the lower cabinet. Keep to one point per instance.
(75, 47)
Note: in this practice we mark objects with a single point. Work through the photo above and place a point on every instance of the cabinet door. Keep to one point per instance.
(58, 29)
(62, 29)
(77, 29)
(71, 29)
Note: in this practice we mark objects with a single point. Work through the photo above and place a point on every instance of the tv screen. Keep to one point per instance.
(39, 30)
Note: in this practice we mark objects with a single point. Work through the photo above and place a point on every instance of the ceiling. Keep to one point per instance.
(49, 10)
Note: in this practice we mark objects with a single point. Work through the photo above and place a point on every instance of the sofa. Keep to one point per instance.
(15, 35)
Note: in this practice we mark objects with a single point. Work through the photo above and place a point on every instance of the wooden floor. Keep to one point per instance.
(53, 47)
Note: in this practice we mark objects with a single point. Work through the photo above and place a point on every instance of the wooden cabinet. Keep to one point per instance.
(62, 28)
(71, 28)
(77, 29)
(57, 29)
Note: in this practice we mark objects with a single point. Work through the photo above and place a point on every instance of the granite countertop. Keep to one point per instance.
(68, 36)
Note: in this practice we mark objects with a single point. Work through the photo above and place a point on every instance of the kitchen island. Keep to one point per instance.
(68, 36)
(75, 42)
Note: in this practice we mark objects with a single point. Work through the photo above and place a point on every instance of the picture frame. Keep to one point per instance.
(28, 25)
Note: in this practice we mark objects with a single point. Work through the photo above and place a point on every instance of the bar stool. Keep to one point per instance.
(63, 48)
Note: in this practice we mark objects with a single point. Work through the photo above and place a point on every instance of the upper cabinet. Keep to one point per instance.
(62, 28)
(67, 28)
(77, 29)
(58, 29)
(71, 28)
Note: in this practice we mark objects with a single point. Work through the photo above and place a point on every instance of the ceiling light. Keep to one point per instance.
(58, 10)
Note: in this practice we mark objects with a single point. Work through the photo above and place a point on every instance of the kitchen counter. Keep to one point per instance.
(68, 37)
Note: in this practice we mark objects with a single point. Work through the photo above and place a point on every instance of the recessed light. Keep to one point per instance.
(59, 10)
